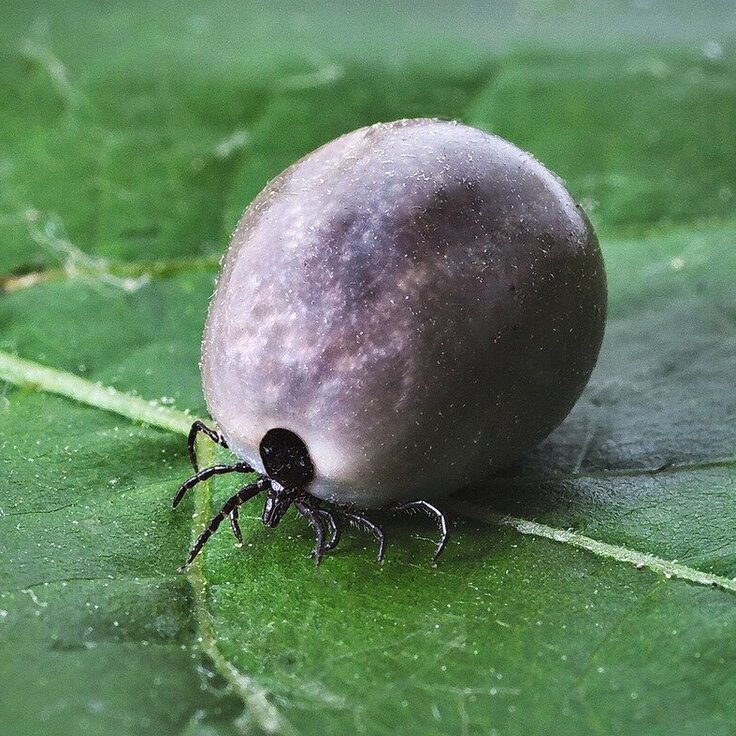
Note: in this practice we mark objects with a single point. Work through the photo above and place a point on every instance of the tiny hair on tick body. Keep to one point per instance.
(400, 314)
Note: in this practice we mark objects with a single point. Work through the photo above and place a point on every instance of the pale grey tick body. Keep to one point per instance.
(419, 302)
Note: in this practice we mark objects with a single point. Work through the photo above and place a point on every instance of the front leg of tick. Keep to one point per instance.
(199, 427)
(242, 496)
(205, 474)
(235, 526)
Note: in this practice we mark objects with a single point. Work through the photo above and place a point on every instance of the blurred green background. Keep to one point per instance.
(132, 136)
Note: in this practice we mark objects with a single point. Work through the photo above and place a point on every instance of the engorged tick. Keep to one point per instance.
(400, 314)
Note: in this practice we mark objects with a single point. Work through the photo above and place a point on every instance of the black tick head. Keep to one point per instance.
(289, 468)
(286, 459)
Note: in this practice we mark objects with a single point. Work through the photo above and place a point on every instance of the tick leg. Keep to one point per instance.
(437, 515)
(213, 434)
(374, 529)
(235, 525)
(208, 473)
(313, 516)
(243, 495)
(334, 529)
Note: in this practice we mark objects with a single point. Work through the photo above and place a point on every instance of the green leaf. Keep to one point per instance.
(642, 139)
(589, 589)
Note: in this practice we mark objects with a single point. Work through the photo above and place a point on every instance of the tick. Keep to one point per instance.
(400, 314)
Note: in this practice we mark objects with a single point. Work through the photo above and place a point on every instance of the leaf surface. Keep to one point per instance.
(128, 160)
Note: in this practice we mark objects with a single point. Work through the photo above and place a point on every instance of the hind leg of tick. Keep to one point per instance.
(364, 523)
(433, 512)
(310, 508)
(335, 534)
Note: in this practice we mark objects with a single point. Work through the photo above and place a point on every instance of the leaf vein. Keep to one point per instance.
(642, 560)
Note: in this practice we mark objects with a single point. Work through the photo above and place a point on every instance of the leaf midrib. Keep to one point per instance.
(250, 692)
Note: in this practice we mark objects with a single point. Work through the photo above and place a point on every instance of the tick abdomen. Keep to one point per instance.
(419, 301)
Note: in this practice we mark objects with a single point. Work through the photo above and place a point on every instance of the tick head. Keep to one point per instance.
(286, 459)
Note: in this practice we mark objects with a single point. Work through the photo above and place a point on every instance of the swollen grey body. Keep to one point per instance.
(420, 301)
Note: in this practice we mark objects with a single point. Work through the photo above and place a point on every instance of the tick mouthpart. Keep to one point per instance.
(277, 504)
